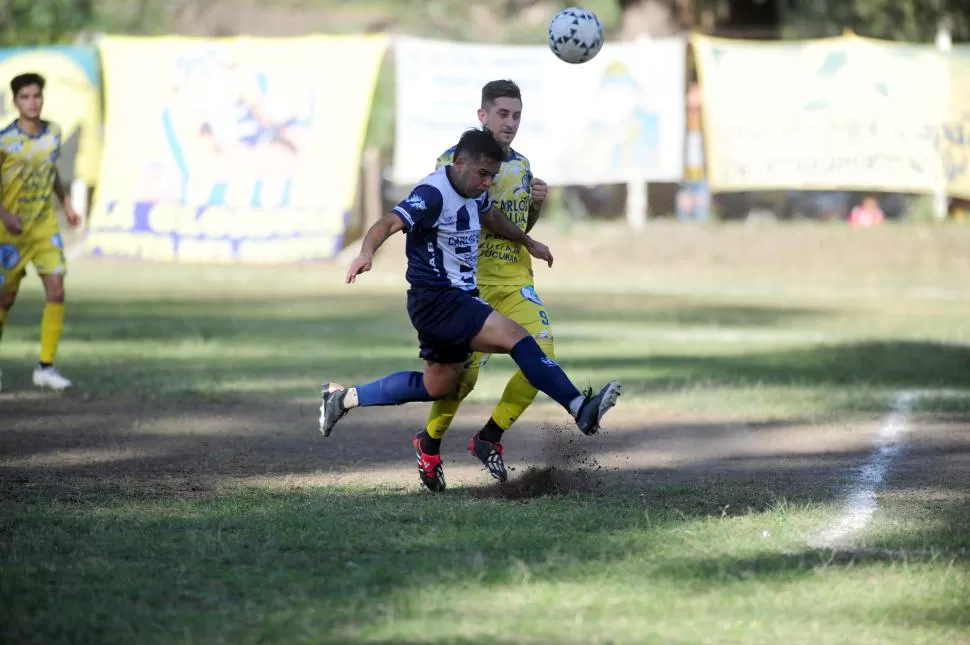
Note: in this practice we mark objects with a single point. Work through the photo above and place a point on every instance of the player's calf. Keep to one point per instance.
(394, 389)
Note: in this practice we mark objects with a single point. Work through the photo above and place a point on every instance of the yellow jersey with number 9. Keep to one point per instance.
(27, 171)
(501, 262)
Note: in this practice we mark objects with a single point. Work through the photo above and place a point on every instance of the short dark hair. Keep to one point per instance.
(499, 89)
(25, 80)
(477, 143)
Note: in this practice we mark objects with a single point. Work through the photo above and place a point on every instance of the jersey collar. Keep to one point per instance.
(43, 129)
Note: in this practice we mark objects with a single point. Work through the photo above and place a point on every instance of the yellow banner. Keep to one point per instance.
(838, 113)
(72, 100)
(232, 150)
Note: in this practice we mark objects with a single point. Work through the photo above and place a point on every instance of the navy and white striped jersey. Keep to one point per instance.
(443, 229)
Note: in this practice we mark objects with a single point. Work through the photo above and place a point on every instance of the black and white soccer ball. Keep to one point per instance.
(575, 35)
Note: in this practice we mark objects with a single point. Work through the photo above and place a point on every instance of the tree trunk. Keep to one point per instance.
(653, 18)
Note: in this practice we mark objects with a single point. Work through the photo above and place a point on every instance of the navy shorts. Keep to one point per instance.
(446, 320)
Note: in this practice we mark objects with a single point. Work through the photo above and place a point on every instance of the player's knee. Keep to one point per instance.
(441, 387)
(514, 332)
(440, 390)
(547, 346)
(54, 291)
(7, 299)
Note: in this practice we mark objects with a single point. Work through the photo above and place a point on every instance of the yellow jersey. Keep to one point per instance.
(27, 171)
(501, 262)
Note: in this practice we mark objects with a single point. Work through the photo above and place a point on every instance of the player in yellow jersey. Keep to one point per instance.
(30, 233)
(505, 281)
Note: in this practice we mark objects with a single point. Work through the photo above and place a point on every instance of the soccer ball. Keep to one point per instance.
(575, 35)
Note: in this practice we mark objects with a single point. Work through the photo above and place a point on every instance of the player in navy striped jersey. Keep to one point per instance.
(443, 217)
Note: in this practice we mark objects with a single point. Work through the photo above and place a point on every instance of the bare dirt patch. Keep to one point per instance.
(74, 449)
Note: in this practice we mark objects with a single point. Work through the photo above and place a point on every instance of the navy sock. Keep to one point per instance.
(492, 432)
(393, 389)
(543, 372)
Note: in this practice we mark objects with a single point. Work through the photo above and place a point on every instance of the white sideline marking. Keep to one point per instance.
(861, 502)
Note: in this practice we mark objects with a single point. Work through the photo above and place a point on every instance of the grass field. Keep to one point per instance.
(754, 485)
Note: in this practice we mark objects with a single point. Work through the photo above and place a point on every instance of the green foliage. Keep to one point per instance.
(25, 23)
(33, 22)
(908, 20)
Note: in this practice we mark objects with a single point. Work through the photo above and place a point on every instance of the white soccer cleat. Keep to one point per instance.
(49, 377)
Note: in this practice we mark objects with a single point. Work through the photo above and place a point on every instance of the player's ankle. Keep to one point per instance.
(349, 399)
(430, 445)
(492, 432)
(42, 365)
(576, 405)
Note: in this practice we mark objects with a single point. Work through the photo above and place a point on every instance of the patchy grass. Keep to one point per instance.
(756, 369)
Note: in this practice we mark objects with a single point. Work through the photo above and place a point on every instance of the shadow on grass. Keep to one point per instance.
(336, 318)
(226, 349)
(212, 373)
(338, 565)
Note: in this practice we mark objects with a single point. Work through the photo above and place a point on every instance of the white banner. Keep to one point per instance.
(617, 118)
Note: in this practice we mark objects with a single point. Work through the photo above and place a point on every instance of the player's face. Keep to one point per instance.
(475, 175)
(29, 101)
(502, 119)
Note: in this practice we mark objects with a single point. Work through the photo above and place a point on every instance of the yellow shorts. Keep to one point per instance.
(521, 304)
(40, 245)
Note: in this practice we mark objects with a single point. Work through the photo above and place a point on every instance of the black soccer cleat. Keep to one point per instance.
(430, 467)
(490, 454)
(331, 407)
(594, 407)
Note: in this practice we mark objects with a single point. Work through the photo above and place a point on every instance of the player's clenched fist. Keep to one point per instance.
(71, 215)
(360, 264)
(539, 190)
(539, 250)
(11, 222)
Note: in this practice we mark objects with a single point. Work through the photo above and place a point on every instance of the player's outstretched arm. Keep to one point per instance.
(495, 220)
(376, 235)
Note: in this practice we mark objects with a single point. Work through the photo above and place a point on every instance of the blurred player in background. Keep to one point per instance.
(30, 232)
(505, 279)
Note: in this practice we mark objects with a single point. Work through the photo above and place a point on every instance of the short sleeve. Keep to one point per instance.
(421, 208)
(55, 131)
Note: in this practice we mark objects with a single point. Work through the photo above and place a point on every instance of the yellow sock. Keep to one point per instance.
(443, 410)
(442, 414)
(51, 326)
(3, 321)
(519, 394)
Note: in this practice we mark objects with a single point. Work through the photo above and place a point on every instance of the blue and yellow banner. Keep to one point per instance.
(72, 99)
(242, 150)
